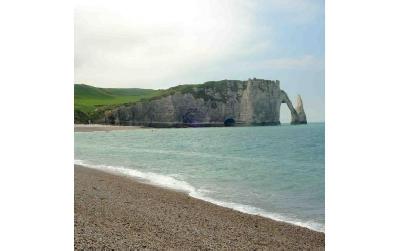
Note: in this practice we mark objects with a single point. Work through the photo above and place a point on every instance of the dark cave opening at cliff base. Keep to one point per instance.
(229, 122)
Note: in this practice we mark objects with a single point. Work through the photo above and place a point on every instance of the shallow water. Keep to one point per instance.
(276, 171)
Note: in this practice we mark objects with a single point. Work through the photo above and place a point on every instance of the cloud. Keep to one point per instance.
(148, 41)
(157, 44)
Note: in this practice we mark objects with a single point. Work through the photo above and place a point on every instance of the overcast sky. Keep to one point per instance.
(159, 44)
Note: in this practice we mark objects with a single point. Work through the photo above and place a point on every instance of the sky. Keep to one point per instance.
(159, 44)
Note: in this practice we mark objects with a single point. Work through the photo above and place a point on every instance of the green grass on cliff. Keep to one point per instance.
(90, 102)
(90, 97)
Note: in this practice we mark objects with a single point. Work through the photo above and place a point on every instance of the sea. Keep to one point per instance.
(272, 171)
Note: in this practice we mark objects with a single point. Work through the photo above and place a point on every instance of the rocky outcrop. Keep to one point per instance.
(301, 115)
(298, 114)
(221, 103)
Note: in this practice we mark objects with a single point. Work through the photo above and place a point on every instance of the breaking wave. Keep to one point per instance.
(168, 181)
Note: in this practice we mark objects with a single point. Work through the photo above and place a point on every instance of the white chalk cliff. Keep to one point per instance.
(216, 103)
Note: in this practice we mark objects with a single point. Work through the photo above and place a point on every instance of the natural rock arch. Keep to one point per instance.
(298, 114)
(252, 102)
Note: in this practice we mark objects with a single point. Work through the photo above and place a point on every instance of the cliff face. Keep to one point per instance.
(228, 102)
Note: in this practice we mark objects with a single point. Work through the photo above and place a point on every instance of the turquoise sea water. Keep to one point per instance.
(273, 171)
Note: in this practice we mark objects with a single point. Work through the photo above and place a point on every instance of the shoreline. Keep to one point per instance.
(187, 189)
(162, 125)
(180, 219)
(104, 128)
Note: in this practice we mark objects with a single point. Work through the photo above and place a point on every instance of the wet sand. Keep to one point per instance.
(116, 212)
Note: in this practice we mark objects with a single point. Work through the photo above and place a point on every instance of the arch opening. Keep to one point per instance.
(297, 114)
(285, 115)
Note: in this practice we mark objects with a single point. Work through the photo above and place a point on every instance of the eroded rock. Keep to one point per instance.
(219, 103)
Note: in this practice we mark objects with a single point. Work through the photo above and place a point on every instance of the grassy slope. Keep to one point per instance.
(88, 98)
(90, 102)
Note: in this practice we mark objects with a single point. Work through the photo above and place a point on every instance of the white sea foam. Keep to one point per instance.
(172, 183)
(153, 178)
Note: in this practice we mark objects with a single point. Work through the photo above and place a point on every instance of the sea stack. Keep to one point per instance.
(302, 119)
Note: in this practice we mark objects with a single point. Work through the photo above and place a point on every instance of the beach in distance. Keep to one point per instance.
(117, 212)
(106, 128)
